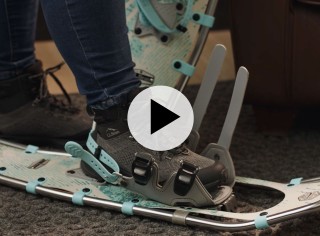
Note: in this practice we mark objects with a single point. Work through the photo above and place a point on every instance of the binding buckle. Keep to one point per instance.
(185, 178)
(97, 152)
(141, 168)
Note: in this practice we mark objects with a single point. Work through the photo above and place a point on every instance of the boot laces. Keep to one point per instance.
(180, 150)
(45, 98)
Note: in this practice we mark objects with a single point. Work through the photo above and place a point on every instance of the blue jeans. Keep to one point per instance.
(91, 35)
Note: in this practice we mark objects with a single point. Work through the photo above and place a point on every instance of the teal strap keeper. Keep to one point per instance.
(32, 185)
(183, 67)
(31, 149)
(203, 19)
(77, 197)
(261, 222)
(295, 182)
(77, 151)
(127, 208)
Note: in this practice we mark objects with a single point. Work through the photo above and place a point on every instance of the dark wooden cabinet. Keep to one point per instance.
(279, 42)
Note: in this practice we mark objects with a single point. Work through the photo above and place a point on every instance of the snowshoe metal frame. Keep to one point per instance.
(296, 193)
(301, 196)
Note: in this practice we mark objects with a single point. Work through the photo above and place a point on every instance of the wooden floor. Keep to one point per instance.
(50, 56)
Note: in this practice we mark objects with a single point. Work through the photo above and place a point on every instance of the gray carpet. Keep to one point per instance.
(255, 155)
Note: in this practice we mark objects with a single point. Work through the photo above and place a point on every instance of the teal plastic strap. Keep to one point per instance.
(77, 151)
(32, 185)
(104, 156)
(183, 67)
(203, 19)
(127, 208)
(295, 181)
(261, 222)
(77, 197)
(188, 14)
(143, 20)
(145, 7)
(91, 144)
(31, 149)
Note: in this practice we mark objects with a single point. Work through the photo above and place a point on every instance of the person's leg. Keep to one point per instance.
(17, 35)
(28, 113)
(92, 38)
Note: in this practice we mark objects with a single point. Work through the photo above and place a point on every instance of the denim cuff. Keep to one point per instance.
(4, 75)
(119, 99)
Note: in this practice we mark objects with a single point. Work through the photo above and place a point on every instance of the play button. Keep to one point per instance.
(160, 118)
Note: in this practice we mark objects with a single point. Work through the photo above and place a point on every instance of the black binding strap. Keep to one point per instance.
(185, 178)
(141, 168)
